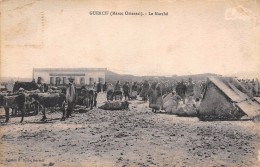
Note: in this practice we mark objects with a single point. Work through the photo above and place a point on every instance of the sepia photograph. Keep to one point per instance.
(130, 83)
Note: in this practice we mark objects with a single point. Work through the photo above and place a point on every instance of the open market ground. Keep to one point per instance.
(134, 137)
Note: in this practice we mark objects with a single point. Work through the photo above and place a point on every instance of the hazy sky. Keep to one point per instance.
(196, 37)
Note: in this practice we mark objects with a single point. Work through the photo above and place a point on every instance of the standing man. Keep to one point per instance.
(118, 93)
(155, 96)
(105, 87)
(134, 90)
(118, 86)
(95, 86)
(126, 90)
(144, 91)
(181, 90)
(39, 84)
(190, 88)
(256, 87)
(70, 97)
(99, 87)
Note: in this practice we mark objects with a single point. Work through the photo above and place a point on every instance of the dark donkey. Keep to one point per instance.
(46, 100)
(89, 98)
(25, 85)
(14, 101)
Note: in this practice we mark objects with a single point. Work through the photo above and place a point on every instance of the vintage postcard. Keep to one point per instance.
(130, 83)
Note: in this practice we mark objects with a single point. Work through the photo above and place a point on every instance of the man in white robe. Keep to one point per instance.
(70, 97)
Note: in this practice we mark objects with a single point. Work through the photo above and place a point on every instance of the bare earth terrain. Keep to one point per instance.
(137, 137)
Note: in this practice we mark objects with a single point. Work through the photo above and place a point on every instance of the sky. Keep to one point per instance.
(196, 37)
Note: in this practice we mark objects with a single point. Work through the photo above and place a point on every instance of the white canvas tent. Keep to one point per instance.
(225, 98)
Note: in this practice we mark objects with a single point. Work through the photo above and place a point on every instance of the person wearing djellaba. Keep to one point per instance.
(70, 97)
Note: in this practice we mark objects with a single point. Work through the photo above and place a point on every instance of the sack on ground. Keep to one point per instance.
(169, 105)
(167, 97)
(186, 110)
(114, 105)
(134, 94)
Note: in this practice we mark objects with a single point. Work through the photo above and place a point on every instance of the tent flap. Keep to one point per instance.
(225, 95)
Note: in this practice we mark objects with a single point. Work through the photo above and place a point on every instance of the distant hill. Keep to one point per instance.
(112, 77)
(197, 76)
(247, 75)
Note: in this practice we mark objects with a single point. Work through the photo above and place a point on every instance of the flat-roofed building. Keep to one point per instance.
(59, 76)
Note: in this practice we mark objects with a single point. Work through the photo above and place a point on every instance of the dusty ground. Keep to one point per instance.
(136, 137)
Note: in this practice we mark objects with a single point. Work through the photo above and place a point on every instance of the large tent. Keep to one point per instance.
(225, 98)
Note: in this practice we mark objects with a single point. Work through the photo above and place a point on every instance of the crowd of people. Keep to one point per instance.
(251, 85)
(183, 88)
(151, 91)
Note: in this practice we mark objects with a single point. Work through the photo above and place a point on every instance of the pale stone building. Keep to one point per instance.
(59, 76)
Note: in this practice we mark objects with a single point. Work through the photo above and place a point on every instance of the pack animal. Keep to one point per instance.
(29, 86)
(46, 100)
(89, 98)
(15, 101)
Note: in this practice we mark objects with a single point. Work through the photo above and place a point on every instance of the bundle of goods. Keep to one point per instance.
(133, 95)
(173, 105)
(170, 102)
(189, 109)
(115, 105)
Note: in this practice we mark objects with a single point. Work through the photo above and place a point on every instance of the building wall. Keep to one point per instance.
(44, 75)
(95, 76)
(80, 77)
